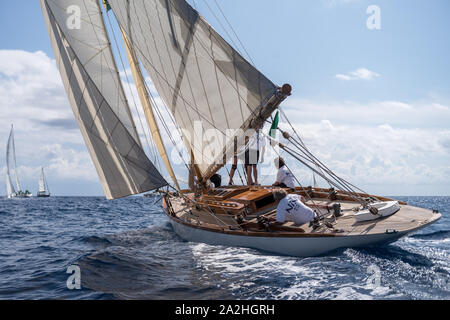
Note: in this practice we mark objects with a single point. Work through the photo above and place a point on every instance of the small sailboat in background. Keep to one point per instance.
(43, 191)
(11, 169)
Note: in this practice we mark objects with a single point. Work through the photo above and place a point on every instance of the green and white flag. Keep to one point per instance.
(274, 128)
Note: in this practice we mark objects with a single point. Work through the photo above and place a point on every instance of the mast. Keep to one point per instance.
(147, 106)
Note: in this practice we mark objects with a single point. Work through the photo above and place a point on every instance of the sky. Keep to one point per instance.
(372, 104)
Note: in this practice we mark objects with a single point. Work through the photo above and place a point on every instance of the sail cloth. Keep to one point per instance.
(41, 186)
(90, 76)
(11, 165)
(209, 87)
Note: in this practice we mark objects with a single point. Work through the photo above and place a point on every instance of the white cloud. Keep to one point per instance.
(358, 74)
(390, 147)
(33, 98)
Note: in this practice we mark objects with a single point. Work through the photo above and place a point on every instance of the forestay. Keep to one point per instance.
(92, 82)
(200, 77)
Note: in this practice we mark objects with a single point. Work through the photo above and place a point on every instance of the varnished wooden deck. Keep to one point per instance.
(407, 219)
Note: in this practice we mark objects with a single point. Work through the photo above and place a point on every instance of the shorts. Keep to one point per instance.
(251, 158)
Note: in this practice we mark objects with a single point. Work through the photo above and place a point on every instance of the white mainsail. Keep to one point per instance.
(200, 77)
(11, 161)
(42, 184)
(9, 187)
(91, 78)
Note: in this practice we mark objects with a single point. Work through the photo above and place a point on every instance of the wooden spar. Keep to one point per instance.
(147, 106)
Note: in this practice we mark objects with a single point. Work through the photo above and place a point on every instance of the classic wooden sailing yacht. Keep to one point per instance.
(11, 170)
(214, 95)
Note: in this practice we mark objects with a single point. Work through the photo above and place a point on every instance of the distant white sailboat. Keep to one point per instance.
(43, 190)
(11, 168)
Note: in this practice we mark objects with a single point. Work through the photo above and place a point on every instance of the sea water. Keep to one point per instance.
(126, 249)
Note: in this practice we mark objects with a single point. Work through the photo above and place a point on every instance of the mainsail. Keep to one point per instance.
(42, 187)
(91, 78)
(200, 77)
(11, 164)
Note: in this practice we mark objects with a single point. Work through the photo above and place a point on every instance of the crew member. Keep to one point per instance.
(285, 178)
(292, 208)
(254, 153)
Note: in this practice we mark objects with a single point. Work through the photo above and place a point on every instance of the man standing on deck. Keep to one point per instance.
(256, 147)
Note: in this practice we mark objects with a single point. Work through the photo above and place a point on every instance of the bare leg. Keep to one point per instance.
(233, 171)
(255, 172)
(249, 175)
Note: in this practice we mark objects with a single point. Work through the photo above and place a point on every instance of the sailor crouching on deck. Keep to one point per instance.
(291, 208)
(285, 179)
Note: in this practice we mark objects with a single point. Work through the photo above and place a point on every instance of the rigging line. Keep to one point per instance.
(312, 158)
(219, 40)
(338, 180)
(298, 181)
(292, 153)
(321, 166)
(147, 88)
(169, 134)
(186, 102)
(336, 184)
(152, 151)
(235, 33)
(209, 210)
(114, 65)
(332, 175)
(253, 112)
(175, 91)
(165, 126)
(223, 27)
(60, 37)
(293, 128)
(161, 117)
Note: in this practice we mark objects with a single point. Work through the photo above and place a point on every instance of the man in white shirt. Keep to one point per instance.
(253, 154)
(291, 208)
(285, 179)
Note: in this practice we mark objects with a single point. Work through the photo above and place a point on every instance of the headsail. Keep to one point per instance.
(89, 72)
(201, 78)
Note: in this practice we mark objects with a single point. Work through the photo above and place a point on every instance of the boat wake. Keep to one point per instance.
(438, 235)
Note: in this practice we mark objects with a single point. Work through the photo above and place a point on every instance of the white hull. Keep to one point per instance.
(27, 196)
(290, 246)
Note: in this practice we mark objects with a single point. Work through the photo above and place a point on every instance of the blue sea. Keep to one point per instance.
(126, 249)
